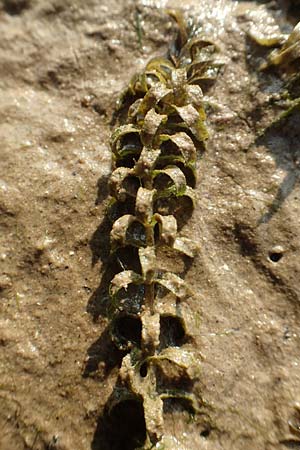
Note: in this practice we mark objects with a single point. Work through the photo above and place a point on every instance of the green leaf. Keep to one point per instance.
(177, 15)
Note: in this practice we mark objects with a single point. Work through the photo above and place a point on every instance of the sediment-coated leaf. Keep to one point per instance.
(176, 355)
(162, 65)
(265, 40)
(153, 96)
(194, 96)
(144, 204)
(191, 194)
(150, 331)
(148, 263)
(116, 183)
(177, 15)
(184, 144)
(155, 76)
(120, 228)
(146, 161)
(123, 279)
(133, 109)
(176, 176)
(200, 48)
(153, 408)
(203, 71)
(174, 284)
(179, 83)
(151, 124)
(145, 388)
(179, 394)
(167, 228)
(193, 121)
(119, 133)
(186, 246)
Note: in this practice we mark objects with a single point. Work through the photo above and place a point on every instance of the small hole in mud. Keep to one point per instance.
(127, 429)
(129, 329)
(172, 331)
(143, 370)
(205, 433)
(275, 256)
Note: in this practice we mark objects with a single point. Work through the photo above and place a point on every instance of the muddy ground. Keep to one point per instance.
(63, 65)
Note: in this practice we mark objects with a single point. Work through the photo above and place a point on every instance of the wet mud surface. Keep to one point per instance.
(63, 65)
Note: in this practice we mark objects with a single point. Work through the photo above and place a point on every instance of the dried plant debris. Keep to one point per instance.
(287, 56)
(161, 133)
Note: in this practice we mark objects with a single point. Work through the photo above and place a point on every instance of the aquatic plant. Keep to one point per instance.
(160, 135)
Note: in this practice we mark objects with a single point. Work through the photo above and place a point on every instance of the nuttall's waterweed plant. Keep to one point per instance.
(160, 135)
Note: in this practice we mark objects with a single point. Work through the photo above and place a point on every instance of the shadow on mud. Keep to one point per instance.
(125, 428)
(282, 139)
(121, 426)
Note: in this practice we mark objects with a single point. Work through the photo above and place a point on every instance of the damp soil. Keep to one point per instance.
(63, 65)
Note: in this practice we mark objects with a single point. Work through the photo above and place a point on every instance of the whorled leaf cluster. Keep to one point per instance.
(152, 187)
